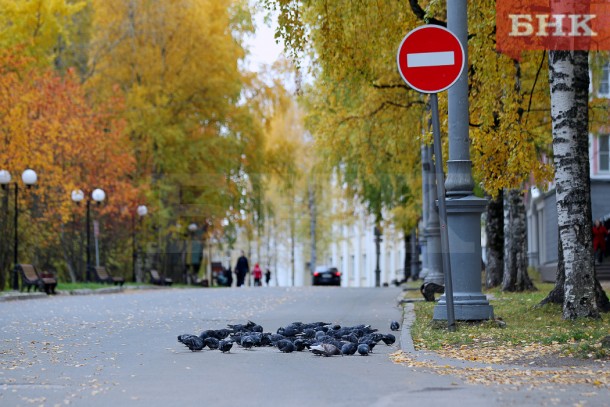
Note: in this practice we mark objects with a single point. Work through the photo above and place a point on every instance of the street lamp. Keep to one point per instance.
(98, 195)
(142, 211)
(377, 232)
(29, 178)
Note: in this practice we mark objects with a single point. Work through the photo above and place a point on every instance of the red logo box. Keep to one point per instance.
(552, 25)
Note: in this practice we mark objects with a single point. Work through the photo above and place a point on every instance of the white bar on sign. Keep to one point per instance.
(430, 59)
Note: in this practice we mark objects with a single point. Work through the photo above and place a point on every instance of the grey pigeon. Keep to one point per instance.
(363, 349)
(326, 349)
(285, 346)
(349, 348)
(225, 346)
(247, 342)
(394, 326)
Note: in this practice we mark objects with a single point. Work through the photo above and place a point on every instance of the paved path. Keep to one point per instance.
(121, 349)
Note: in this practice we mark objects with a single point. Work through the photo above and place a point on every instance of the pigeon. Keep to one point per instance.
(285, 346)
(394, 326)
(247, 342)
(182, 337)
(308, 333)
(193, 342)
(326, 349)
(211, 342)
(221, 333)
(388, 339)
(299, 344)
(363, 349)
(225, 346)
(349, 348)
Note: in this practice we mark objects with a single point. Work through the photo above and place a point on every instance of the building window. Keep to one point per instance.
(604, 84)
(604, 153)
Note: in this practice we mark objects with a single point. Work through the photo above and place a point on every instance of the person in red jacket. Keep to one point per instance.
(599, 240)
(257, 273)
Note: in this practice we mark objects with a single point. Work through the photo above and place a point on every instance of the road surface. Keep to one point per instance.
(121, 350)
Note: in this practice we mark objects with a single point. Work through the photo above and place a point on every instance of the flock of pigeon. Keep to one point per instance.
(320, 338)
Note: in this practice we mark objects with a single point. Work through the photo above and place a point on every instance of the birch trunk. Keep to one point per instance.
(494, 230)
(569, 86)
(516, 277)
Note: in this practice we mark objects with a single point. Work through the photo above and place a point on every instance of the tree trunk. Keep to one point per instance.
(515, 276)
(5, 243)
(68, 254)
(407, 265)
(312, 226)
(494, 230)
(556, 295)
(569, 86)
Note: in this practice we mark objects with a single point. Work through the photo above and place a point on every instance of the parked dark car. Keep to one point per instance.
(325, 275)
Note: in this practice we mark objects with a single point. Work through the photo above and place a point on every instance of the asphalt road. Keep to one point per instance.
(121, 350)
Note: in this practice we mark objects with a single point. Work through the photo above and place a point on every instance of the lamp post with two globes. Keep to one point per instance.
(98, 195)
(29, 178)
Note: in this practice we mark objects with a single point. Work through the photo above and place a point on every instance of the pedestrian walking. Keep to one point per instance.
(241, 269)
(257, 273)
(267, 277)
(599, 241)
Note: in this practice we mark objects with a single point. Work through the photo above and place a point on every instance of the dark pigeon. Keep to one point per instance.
(299, 345)
(394, 326)
(363, 349)
(388, 339)
(221, 333)
(225, 346)
(349, 348)
(193, 342)
(211, 342)
(285, 346)
(247, 342)
(182, 337)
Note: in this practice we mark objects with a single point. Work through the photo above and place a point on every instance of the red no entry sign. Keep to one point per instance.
(430, 59)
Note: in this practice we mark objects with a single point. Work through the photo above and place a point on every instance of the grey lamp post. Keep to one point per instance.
(29, 178)
(141, 211)
(192, 228)
(98, 195)
(463, 208)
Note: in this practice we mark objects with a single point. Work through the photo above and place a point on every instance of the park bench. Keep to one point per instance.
(157, 279)
(103, 276)
(194, 279)
(31, 278)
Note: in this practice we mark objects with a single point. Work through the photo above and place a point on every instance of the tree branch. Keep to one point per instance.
(421, 14)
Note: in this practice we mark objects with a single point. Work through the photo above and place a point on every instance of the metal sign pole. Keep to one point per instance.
(442, 211)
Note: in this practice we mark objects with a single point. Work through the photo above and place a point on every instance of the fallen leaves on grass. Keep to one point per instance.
(517, 376)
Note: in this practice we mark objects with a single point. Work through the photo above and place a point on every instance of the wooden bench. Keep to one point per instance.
(103, 276)
(31, 278)
(155, 278)
(194, 279)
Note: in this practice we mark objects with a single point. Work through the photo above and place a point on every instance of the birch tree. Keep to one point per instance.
(569, 81)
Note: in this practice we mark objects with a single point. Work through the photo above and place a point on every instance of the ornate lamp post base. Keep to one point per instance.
(464, 222)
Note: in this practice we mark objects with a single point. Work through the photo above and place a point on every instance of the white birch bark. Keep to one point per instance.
(569, 85)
